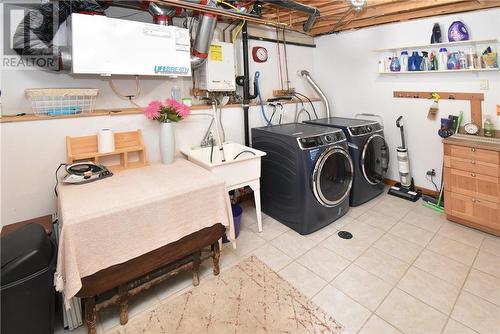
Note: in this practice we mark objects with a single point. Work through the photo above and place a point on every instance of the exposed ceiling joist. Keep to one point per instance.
(409, 15)
(338, 15)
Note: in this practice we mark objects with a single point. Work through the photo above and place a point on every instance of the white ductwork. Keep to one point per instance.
(34, 35)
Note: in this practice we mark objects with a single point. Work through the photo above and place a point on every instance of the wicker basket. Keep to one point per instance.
(62, 101)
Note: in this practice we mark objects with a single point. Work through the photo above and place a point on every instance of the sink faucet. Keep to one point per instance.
(209, 139)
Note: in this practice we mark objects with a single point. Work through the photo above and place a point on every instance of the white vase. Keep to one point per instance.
(167, 143)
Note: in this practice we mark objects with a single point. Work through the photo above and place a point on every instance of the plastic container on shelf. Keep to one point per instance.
(462, 60)
(404, 61)
(62, 101)
(442, 59)
(395, 65)
(489, 128)
(453, 63)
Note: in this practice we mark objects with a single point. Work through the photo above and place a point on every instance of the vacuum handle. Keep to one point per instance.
(400, 125)
(399, 122)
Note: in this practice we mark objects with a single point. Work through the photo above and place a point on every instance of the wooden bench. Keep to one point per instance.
(125, 280)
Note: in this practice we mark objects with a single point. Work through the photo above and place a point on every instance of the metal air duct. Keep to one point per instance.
(312, 11)
(203, 38)
(161, 14)
(318, 90)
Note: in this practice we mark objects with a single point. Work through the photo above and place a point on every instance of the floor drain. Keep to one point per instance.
(345, 235)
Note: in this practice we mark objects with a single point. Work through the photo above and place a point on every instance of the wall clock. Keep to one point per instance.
(259, 54)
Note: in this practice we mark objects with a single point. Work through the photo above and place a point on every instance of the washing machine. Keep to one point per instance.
(369, 153)
(306, 175)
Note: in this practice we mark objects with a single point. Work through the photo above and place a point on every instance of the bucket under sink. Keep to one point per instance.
(241, 165)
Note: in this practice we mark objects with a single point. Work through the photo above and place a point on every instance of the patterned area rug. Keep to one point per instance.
(249, 298)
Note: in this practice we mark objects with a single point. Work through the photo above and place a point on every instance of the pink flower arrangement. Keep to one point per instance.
(170, 111)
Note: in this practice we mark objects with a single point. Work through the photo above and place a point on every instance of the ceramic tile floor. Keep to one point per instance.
(406, 270)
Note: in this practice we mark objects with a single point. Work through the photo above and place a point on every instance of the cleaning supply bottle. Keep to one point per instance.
(453, 62)
(414, 62)
(434, 61)
(470, 59)
(426, 64)
(404, 61)
(436, 34)
(395, 65)
(489, 128)
(442, 59)
(462, 60)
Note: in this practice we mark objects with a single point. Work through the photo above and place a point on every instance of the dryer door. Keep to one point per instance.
(332, 176)
(375, 159)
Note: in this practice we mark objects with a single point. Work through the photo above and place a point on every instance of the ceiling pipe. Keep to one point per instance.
(161, 14)
(293, 5)
(318, 90)
(203, 37)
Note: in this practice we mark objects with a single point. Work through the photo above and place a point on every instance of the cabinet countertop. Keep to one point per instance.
(472, 143)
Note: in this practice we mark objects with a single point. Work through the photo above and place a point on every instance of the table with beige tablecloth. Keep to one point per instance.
(116, 219)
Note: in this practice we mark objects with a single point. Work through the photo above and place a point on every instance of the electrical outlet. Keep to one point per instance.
(484, 85)
(431, 172)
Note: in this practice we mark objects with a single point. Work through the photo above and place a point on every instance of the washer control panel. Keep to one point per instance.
(364, 129)
(321, 140)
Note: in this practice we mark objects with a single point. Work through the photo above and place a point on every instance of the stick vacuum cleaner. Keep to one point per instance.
(406, 188)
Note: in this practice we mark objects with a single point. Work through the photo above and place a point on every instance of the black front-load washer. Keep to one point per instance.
(307, 174)
(369, 153)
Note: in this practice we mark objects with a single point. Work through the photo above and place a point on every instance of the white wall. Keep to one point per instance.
(31, 151)
(346, 68)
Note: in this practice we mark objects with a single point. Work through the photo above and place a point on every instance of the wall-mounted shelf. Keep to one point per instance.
(445, 71)
(440, 45)
(116, 112)
(85, 149)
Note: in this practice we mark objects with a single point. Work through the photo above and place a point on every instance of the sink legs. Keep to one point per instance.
(255, 185)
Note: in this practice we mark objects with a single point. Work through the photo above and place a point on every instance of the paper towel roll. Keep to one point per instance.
(105, 141)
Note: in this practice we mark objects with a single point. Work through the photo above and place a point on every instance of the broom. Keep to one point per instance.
(438, 207)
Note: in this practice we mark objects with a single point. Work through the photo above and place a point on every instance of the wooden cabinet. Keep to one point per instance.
(472, 184)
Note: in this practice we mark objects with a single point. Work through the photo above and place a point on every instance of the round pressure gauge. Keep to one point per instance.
(259, 54)
(471, 128)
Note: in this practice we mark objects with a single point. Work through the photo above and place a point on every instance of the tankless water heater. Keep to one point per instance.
(218, 73)
(108, 46)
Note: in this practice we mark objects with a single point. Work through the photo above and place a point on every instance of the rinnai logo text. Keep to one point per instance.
(171, 70)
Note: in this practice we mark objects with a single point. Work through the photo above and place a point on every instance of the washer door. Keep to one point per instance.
(375, 159)
(332, 176)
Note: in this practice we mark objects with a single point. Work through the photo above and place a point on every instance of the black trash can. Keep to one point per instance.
(27, 272)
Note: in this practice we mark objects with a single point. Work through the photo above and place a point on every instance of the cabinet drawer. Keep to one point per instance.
(475, 154)
(472, 184)
(473, 166)
(469, 208)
